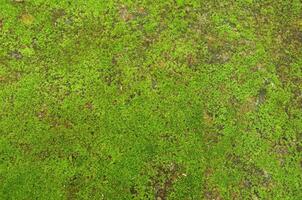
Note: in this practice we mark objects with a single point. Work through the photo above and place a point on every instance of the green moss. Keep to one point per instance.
(150, 99)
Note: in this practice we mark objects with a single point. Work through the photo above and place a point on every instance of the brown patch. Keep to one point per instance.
(171, 173)
(248, 105)
(211, 40)
(73, 188)
(258, 67)
(148, 41)
(261, 97)
(25, 147)
(2, 79)
(43, 112)
(57, 14)
(236, 195)
(212, 135)
(141, 11)
(259, 175)
(133, 191)
(16, 55)
(1, 23)
(191, 60)
(55, 122)
(208, 119)
(210, 192)
(282, 153)
(153, 83)
(125, 15)
(114, 61)
(42, 155)
(88, 106)
(167, 137)
(10, 78)
(27, 19)
(63, 123)
(161, 64)
(220, 50)
(287, 49)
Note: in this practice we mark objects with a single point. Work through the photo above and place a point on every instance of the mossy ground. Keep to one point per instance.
(150, 99)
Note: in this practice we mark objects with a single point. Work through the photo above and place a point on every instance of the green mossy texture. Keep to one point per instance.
(159, 99)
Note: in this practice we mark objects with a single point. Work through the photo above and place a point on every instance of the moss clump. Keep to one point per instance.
(150, 99)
